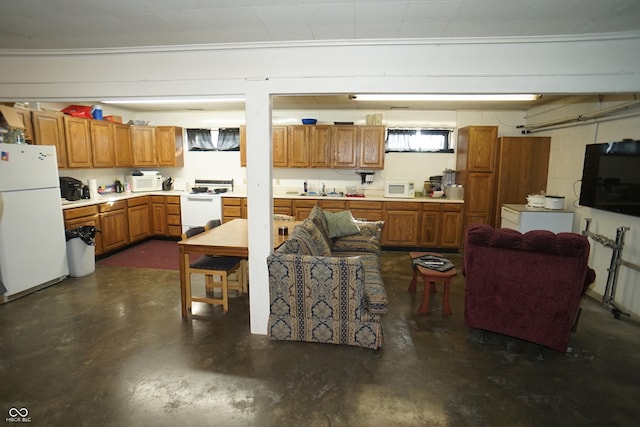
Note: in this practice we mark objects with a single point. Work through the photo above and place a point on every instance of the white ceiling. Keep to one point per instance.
(88, 24)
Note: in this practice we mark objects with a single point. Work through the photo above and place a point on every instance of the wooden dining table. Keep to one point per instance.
(228, 239)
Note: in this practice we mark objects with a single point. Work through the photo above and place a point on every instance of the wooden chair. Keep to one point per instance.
(213, 266)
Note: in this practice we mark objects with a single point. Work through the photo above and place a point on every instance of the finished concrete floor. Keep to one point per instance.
(111, 349)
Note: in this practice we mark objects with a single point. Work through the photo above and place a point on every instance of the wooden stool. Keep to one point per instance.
(430, 277)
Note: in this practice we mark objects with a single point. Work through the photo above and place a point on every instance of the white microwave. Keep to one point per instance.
(144, 182)
(399, 189)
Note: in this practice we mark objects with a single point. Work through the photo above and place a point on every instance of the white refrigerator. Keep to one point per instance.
(33, 250)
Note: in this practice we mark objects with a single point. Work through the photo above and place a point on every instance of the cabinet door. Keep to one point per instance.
(48, 129)
(159, 218)
(302, 208)
(92, 220)
(280, 150)
(365, 211)
(138, 217)
(401, 227)
(320, 146)
(282, 206)
(122, 142)
(25, 116)
(143, 144)
(78, 140)
(478, 197)
(344, 147)
(169, 146)
(430, 221)
(450, 226)
(243, 146)
(115, 230)
(103, 145)
(482, 148)
(298, 146)
(371, 147)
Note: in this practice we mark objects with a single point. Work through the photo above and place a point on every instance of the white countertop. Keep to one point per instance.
(114, 197)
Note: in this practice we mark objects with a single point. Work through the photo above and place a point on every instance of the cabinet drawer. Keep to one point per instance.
(334, 204)
(359, 204)
(173, 209)
(400, 206)
(231, 201)
(305, 203)
(172, 200)
(137, 201)
(367, 214)
(430, 207)
(174, 230)
(158, 199)
(173, 219)
(451, 207)
(232, 211)
(80, 212)
(113, 206)
(282, 203)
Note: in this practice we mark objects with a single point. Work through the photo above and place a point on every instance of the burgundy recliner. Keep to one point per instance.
(526, 286)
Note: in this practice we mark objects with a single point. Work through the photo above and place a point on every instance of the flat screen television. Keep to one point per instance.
(611, 177)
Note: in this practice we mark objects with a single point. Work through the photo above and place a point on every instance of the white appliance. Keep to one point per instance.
(525, 218)
(203, 203)
(33, 251)
(144, 182)
(399, 189)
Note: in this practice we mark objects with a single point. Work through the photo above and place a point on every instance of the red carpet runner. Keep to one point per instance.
(159, 254)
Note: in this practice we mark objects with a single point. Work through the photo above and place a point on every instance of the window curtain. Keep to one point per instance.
(199, 140)
(399, 139)
(229, 139)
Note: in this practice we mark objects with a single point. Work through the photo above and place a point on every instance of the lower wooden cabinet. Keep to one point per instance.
(165, 216)
(174, 220)
(86, 215)
(401, 224)
(138, 217)
(282, 206)
(233, 207)
(114, 224)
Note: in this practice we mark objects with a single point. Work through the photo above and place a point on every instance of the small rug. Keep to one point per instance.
(159, 254)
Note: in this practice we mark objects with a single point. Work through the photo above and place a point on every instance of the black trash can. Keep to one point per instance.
(81, 250)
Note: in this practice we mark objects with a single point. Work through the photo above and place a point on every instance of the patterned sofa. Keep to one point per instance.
(326, 285)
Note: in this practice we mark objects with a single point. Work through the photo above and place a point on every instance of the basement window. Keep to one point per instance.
(223, 139)
(417, 140)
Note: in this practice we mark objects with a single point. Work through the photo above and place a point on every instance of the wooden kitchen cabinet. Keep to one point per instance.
(138, 216)
(48, 129)
(320, 146)
(86, 215)
(297, 146)
(522, 166)
(279, 136)
(78, 141)
(282, 207)
(402, 221)
(169, 146)
(478, 198)
(103, 146)
(430, 221)
(344, 147)
(365, 211)
(114, 225)
(122, 143)
(450, 235)
(25, 116)
(233, 207)
(332, 205)
(302, 208)
(174, 219)
(143, 145)
(371, 140)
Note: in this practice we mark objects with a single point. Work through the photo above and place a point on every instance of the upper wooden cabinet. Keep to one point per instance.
(25, 116)
(78, 141)
(169, 142)
(143, 145)
(102, 144)
(324, 146)
(476, 148)
(48, 129)
(122, 143)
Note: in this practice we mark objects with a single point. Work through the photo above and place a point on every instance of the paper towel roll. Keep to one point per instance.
(93, 188)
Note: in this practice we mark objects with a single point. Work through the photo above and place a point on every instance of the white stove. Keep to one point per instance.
(203, 203)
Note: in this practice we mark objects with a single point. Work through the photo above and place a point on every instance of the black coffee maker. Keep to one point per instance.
(70, 188)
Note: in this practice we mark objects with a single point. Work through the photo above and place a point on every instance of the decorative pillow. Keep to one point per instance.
(368, 240)
(317, 215)
(341, 224)
(321, 244)
(300, 242)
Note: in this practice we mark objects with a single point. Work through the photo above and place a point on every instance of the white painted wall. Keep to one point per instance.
(565, 172)
(590, 64)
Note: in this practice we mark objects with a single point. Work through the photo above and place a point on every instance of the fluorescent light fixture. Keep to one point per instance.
(443, 97)
(152, 101)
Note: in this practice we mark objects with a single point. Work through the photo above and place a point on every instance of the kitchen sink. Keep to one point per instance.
(314, 194)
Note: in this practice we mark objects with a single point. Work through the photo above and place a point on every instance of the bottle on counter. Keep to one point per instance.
(118, 186)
